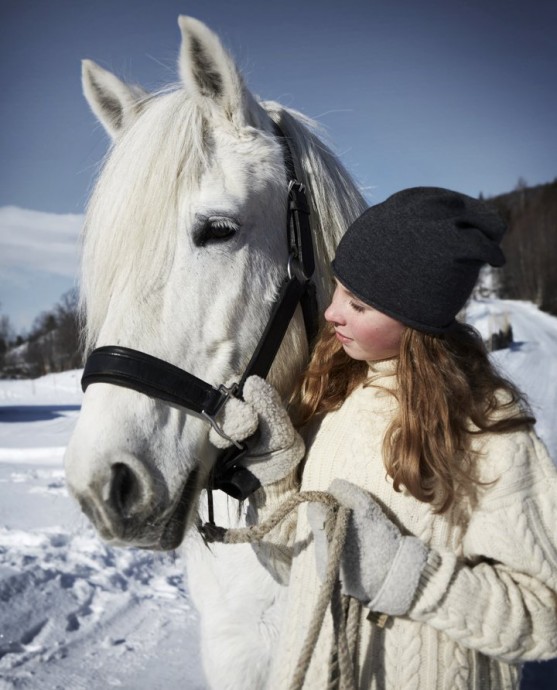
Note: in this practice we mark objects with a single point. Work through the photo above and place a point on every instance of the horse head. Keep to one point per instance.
(183, 254)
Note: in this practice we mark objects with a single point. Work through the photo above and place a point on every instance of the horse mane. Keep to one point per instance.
(146, 160)
(334, 198)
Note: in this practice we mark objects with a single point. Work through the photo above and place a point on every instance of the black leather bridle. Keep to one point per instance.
(123, 366)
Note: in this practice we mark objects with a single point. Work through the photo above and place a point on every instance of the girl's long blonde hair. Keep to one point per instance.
(447, 392)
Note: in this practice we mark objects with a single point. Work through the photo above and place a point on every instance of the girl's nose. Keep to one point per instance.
(333, 313)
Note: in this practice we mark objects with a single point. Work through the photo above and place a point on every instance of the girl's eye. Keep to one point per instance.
(356, 306)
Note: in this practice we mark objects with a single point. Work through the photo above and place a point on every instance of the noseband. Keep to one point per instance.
(122, 366)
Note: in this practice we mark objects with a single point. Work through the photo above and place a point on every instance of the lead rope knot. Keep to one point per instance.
(345, 610)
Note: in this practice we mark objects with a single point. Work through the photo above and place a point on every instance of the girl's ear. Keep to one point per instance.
(115, 103)
(207, 70)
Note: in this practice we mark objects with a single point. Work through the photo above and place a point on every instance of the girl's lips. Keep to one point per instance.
(342, 338)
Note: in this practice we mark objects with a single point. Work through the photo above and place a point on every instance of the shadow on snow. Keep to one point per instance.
(35, 413)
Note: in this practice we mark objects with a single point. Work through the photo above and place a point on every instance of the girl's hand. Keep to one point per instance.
(380, 567)
(277, 448)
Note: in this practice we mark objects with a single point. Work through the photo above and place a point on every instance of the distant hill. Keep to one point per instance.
(530, 245)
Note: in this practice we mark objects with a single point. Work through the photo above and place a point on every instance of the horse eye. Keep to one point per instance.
(220, 231)
(215, 231)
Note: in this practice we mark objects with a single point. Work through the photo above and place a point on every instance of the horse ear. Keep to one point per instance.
(115, 104)
(206, 68)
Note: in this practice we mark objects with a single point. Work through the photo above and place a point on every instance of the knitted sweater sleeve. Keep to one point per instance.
(275, 550)
(500, 597)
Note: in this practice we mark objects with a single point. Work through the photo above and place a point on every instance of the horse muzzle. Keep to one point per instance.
(130, 505)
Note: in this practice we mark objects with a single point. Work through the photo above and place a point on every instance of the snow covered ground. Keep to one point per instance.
(74, 613)
(78, 615)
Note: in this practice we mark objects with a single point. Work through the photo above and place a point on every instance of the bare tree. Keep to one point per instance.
(68, 339)
(7, 336)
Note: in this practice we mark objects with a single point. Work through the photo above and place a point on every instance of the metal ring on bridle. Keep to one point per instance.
(227, 393)
(294, 268)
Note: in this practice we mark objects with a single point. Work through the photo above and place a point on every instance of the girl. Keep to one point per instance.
(452, 541)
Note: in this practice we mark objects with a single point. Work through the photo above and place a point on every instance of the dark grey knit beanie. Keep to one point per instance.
(417, 255)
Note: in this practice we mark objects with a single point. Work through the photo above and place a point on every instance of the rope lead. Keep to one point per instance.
(345, 609)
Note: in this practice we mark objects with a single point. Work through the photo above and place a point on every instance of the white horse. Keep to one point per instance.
(183, 253)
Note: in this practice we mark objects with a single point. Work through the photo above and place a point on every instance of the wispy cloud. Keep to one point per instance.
(34, 240)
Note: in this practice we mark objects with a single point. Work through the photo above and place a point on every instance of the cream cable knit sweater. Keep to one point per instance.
(487, 598)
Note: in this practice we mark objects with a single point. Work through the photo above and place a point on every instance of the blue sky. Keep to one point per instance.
(455, 93)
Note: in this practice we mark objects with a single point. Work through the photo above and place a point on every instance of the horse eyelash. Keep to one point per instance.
(203, 235)
(222, 223)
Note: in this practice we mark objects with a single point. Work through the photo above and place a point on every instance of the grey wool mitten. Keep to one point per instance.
(278, 448)
(380, 567)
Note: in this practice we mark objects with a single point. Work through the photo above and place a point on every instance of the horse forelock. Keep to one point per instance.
(130, 225)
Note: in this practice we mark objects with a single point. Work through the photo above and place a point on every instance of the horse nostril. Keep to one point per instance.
(125, 490)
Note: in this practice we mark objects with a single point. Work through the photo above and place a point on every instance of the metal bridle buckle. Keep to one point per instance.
(227, 394)
(296, 183)
(295, 269)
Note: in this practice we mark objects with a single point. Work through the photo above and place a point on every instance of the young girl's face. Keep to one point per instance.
(365, 333)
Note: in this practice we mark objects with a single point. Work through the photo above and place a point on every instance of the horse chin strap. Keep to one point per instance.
(123, 366)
